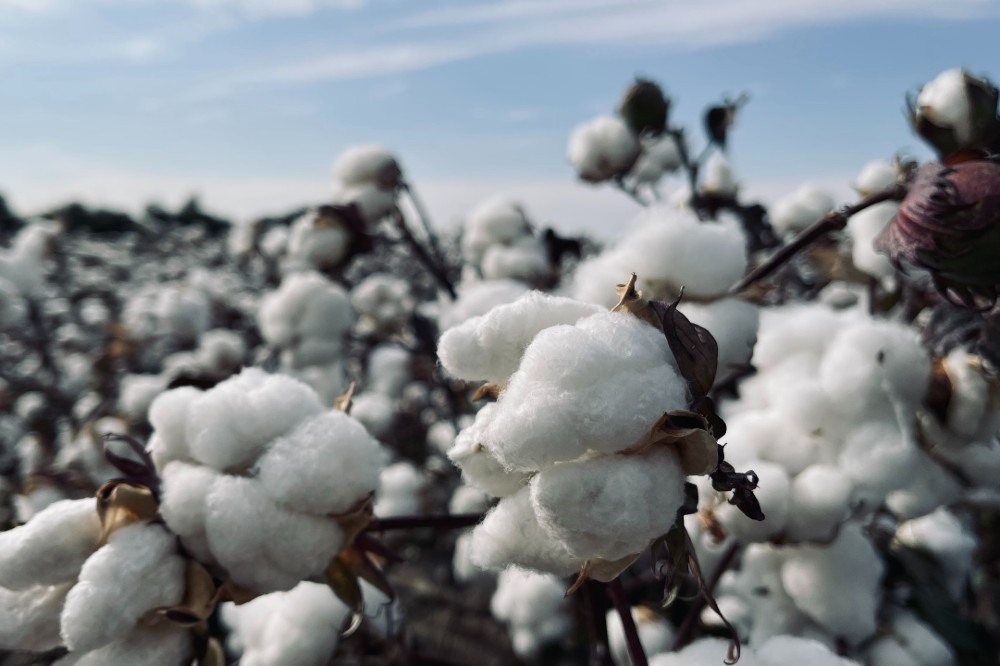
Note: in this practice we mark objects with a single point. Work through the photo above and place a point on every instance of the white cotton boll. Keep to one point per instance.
(27, 506)
(29, 618)
(183, 313)
(489, 347)
(945, 102)
(599, 385)
(496, 221)
(136, 571)
(230, 425)
(261, 544)
(478, 298)
(785, 650)
(919, 641)
(875, 176)
(467, 499)
(400, 488)
(221, 351)
(659, 156)
(534, 608)
(367, 164)
(888, 652)
(274, 242)
(942, 535)
(794, 329)
(864, 227)
(326, 465)
(872, 365)
(602, 148)
(511, 536)
(373, 202)
(23, 264)
(480, 468)
(609, 507)
(655, 634)
(137, 393)
(462, 567)
(143, 645)
(878, 459)
(773, 493)
(441, 436)
(375, 412)
(718, 178)
(733, 323)
(389, 370)
(317, 244)
(306, 305)
(799, 209)
(182, 502)
(525, 260)
(384, 299)
(51, 547)
(168, 414)
(820, 497)
(837, 585)
(703, 652)
(929, 487)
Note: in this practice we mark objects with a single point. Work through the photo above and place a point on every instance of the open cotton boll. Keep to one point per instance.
(367, 164)
(864, 227)
(477, 298)
(261, 544)
(136, 394)
(602, 148)
(313, 244)
(221, 351)
(376, 412)
(785, 650)
(231, 424)
(389, 370)
(837, 585)
(799, 209)
(29, 618)
(326, 465)
(599, 385)
(511, 536)
(143, 645)
(733, 323)
(182, 312)
(924, 646)
(773, 494)
(945, 102)
(942, 535)
(534, 608)
(496, 221)
(888, 652)
(462, 567)
(136, 571)
(306, 305)
(373, 202)
(970, 394)
(23, 264)
(400, 488)
(655, 634)
(441, 436)
(718, 178)
(703, 652)
(929, 487)
(794, 329)
(185, 488)
(489, 347)
(878, 459)
(872, 365)
(467, 499)
(609, 507)
(384, 300)
(524, 260)
(659, 156)
(51, 547)
(820, 497)
(875, 176)
(479, 466)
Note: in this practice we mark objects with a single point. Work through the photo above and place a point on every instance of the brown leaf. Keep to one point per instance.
(695, 349)
(354, 521)
(200, 597)
(631, 301)
(344, 583)
(120, 504)
(487, 392)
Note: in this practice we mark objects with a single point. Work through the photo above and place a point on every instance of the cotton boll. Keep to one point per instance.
(878, 459)
(773, 494)
(876, 176)
(659, 156)
(183, 313)
(137, 393)
(794, 329)
(837, 585)
(375, 412)
(511, 535)
(864, 227)
(703, 652)
(400, 488)
(389, 370)
(467, 499)
(373, 202)
(51, 547)
(478, 298)
(945, 102)
(182, 503)
(489, 347)
(609, 507)
(970, 394)
(317, 244)
(942, 535)
(462, 567)
(718, 178)
(818, 502)
(655, 634)
(367, 164)
(274, 242)
(326, 465)
(784, 650)
(152, 645)
(916, 638)
(496, 221)
(928, 487)
(168, 414)
(135, 572)
(799, 209)
(383, 300)
(888, 652)
(525, 260)
(602, 149)
(479, 467)
(230, 425)
(534, 608)
(733, 323)
(29, 618)
(441, 436)
(221, 351)
(306, 306)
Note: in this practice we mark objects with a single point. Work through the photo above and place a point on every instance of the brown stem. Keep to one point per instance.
(832, 221)
(435, 269)
(686, 631)
(455, 521)
(425, 222)
(595, 609)
(635, 651)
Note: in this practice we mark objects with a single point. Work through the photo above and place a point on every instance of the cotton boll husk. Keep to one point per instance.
(609, 507)
(655, 634)
(875, 176)
(479, 467)
(477, 298)
(733, 323)
(467, 499)
(136, 571)
(375, 412)
(873, 364)
(718, 176)
(182, 503)
(51, 547)
(602, 148)
(165, 645)
(261, 544)
(524, 260)
(230, 425)
(878, 459)
(534, 607)
(29, 618)
(784, 650)
(389, 370)
(400, 488)
(511, 535)
(941, 534)
(864, 227)
(773, 494)
(945, 102)
(496, 221)
(819, 500)
(168, 414)
(317, 246)
(363, 164)
(137, 393)
(837, 585)
(799, 209)
(489, 347)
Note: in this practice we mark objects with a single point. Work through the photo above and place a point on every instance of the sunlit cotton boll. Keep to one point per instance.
(534, 608)
(945, 102)
(799, 209)
(602, 148)
(315, 244)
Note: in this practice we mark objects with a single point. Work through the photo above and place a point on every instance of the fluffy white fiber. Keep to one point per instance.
(864, 228)
(476, 298)
(168, 414)
(29, 618)
(400, 488)
(496, 221)
(534, 607)
(819, 501)
(383, 301)
(153, 645)
(602, 148)
(659, 156)
(23, 265)
(733, 323)
(797, 210)
(367, 164)
(875, 176)
(525, 260)
(137, 393)
(480, 468)
(945, 102)
(718, 178)
(315, 245)
(389, 370)
(942, 535)
(777, 651)
(185, 488)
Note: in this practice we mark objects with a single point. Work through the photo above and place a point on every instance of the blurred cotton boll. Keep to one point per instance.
(602, 149)
(534, 608)
(799, 209)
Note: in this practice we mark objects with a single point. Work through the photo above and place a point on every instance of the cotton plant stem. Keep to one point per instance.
(426, 259)
(686, 631)
(454, 521)
(595, 609)
(425, 222)
(631, 192)
(624, 610)
(833, 221)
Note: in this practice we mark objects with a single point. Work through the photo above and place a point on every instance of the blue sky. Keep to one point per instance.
(247, 101)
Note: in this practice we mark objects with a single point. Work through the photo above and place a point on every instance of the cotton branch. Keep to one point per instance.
(436, 269)
(635, 651)
(441, 522)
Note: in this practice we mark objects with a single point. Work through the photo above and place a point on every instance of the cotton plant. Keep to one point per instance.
(534, 608)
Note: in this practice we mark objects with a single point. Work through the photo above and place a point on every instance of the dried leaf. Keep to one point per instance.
(344, 583)
(631, 301)
(354, 521)
(604, 571)
(200, 597)
(694, 347)
(213, 654)
(487, 392)
(687, 433)
(120, 504)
